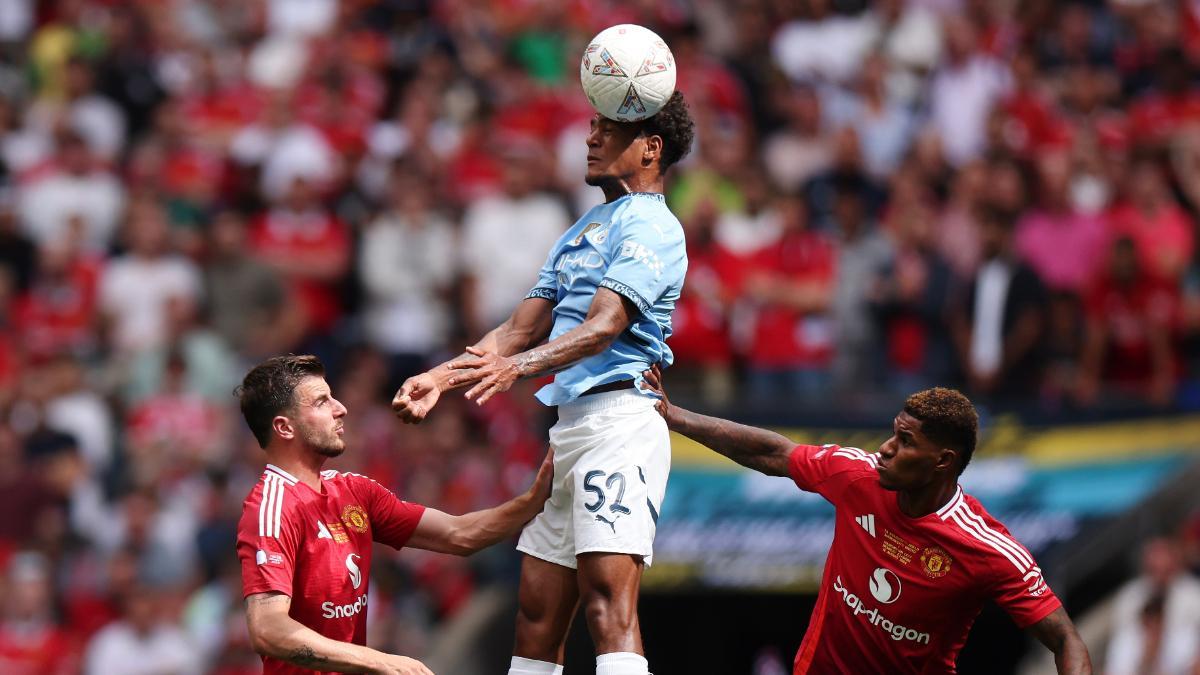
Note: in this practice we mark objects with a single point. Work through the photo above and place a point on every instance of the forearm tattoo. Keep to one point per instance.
(305, 656)
(573, 346)
(758, 449)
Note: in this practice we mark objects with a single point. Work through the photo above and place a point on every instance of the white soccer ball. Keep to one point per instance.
(627, 72)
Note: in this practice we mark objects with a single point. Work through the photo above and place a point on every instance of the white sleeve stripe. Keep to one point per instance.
(264, 506)
(869, 459)
(1000, 539)
(956, 516)
(278, 511)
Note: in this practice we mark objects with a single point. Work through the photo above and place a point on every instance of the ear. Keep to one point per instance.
(283, 428)
(652, 150)
(947, 460)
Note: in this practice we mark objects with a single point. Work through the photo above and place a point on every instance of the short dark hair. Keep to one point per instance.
(673, 123)
(270, 388)
(948, 419)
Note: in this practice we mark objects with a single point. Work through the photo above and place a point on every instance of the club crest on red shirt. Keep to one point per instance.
(936, 562)
(355, 518)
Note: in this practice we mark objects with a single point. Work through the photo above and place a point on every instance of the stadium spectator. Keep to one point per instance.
(137, 287)
(1162, 233)
(32, 639)
(788, 286)
(72, 188)
(1064, 246)
(1001, 317)
(862, 253)
(310, 248)
(964, 89)
(1129, 345)
(146, 640)
(409, 264)
(523, 212)
(1156, 616)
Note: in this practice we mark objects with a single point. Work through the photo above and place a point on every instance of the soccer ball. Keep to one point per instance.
(627, 72)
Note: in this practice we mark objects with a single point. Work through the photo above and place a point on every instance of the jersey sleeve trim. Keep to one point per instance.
(543, 293)
(626, 291)
(270, 508)
(1041, 614)
(266, 587)
(971, 523)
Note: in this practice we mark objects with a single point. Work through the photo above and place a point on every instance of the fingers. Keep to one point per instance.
(479, 388)
(467, 364)
(476, 351)
(468, 377)
(492, 391)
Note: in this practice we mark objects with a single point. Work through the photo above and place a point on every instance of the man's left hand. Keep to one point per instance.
(492, 373)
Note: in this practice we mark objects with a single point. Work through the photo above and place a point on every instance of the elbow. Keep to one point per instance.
(261, 641)
(603, 335)
(462, 544)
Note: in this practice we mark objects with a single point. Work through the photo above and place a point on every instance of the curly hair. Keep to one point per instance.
(269, 389)
(948, 419)
(673, 123)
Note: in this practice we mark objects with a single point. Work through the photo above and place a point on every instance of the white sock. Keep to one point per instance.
(622, 663)
(523, 666)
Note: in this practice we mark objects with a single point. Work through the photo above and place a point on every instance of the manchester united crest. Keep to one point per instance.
(355, 518)
(936, 562)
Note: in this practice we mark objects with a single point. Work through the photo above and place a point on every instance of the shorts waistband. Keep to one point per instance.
(591, 403)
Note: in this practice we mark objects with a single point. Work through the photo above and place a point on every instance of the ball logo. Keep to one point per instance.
(355, 573)
(885, 585)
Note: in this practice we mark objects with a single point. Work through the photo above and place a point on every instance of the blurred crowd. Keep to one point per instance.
(1000, 195)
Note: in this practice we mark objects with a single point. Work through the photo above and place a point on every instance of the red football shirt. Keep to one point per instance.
(316, 548)
(899, 594)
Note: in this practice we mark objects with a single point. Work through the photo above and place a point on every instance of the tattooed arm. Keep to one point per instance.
(493, 372)
(275, 634)
(759, 449)
(1058, 634)
(529, 325)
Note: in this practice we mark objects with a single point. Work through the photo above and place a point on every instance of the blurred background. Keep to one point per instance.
(997, 195)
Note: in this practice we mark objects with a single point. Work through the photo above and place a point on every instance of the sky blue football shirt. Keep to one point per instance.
(635, 247)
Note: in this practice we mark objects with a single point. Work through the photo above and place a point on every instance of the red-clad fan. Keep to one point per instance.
(913, 558)
(304, 539)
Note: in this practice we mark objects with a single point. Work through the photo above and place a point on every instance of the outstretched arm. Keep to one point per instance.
(1059, 635)
(276, 634)
(471, 532)
(529, 325)
(759, 449)
(493, 372)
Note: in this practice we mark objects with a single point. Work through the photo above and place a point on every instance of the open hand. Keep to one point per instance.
(416, 398)
(491, 372)
(402, 665)
(652, 382)
(544, 481)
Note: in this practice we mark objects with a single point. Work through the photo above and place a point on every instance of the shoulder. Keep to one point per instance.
(270, 501)
(985, 536)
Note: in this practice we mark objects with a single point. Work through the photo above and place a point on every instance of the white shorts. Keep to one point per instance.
(612, 456)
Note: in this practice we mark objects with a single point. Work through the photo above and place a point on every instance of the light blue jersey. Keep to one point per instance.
(635, 247)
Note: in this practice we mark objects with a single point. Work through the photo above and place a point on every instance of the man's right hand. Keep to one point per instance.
(652, 382)
(416, 398)
(401, 665)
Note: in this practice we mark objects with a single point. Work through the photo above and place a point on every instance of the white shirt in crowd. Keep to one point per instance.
(505, 243)
(135, 293)
(118, 648)
(47, 206)
(405, 267)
